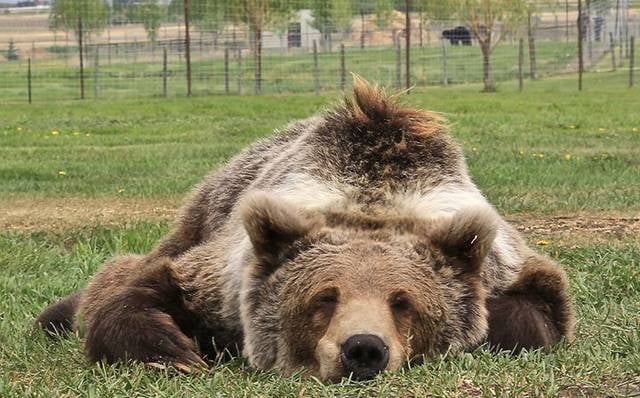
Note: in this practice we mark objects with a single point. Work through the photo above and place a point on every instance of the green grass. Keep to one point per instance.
(517, 146)
(41, 267)
(134, 75)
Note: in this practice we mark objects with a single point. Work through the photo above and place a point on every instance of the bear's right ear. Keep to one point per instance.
(466, 237)
(274, 226)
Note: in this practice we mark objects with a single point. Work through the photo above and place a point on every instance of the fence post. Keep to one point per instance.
(343, 68)
(316, 68)
(398, 62)
(187, 45)
(240, 72)
(29, 78)
(226, 70)
(445, 66)
(407, 37)
(632, 55)
(96, 65)
(580, 47)
(532, 49)
(612, 47)
(164, 72)
(520, 64)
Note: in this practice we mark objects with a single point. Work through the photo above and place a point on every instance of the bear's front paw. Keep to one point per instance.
(121, 333)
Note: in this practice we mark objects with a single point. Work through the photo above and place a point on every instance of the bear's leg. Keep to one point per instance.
(145, 320)
(57, 319)
(534, 312)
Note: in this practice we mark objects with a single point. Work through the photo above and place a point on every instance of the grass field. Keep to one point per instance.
(133, 72)
(83, 181)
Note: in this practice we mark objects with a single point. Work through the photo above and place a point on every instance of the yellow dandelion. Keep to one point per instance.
(87, 134)
(567, 156)
(521, 152)
(538, 155)
(76, 133)
(542, 242)
(474, 149)
(120, 190)
(601, 129)
(55, 132)
(19, 129)
(571, 126)
(62, 173)
(635, 130)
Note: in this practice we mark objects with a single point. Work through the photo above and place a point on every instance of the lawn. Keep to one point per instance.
(133, 72)
(83, 181)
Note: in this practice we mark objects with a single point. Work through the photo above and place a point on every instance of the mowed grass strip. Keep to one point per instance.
(547, 150)
(38, 268)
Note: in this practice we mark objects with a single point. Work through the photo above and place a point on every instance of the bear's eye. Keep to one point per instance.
(400, 303)
(328, 297)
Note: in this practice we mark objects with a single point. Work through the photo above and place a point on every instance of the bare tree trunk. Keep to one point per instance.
(257, 53)
(486, 67)
(421, 29)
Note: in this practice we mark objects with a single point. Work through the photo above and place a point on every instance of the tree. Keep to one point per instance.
(330, 16)
(431, 9)
(383, 10)
(490, 21)
(83, 17)
(151, 14)
(259, 15)
(11, 54)
(363, 7)
(210, 16)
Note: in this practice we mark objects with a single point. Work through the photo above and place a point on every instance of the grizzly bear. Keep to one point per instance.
(348, 244)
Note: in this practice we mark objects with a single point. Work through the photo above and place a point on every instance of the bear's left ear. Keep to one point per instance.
(467, 236)
(274, 225)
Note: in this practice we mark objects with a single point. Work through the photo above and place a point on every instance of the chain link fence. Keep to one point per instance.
(141, 48)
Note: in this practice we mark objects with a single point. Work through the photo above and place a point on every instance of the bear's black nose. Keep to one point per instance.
(364, 356)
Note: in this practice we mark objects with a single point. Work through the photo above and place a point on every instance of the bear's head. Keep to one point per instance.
(352, 295)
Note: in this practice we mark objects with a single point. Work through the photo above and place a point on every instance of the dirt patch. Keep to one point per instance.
(59, 214)
(594, 226)
(30, 215)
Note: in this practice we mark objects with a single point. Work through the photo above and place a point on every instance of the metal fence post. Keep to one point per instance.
(226, 70)
(164, 72)
(632, 60)
(96, 65)
(612, 47)
(343, 68)
(316, 68)
(398, 62)
(445, 63)
(29, 78)
(240, 71)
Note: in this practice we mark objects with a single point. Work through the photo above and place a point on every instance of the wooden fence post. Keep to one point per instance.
(520, 64)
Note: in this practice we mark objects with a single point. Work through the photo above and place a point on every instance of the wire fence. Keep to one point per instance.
(141, 49)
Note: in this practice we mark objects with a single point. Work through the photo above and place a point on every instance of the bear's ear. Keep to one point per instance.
(467, 236)
(274, 225)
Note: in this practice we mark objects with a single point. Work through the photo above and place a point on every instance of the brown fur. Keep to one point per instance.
(360, 221)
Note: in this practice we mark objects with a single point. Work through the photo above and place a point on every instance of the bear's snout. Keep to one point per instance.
(364, 356)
